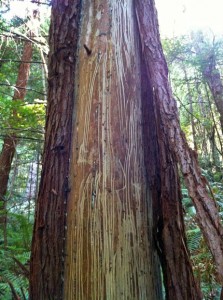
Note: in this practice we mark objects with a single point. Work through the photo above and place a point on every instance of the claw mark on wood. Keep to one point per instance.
(89, 51)
(93, 197)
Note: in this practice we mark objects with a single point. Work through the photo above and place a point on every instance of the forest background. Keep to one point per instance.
(195, 61)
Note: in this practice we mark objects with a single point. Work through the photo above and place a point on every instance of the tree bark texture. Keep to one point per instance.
(172, 138)
(46, 268)
(10, 141)
(110, 252)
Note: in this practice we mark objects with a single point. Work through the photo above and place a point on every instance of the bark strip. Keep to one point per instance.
(47, 259)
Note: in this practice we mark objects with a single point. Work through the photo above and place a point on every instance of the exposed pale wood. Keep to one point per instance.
(110, 252)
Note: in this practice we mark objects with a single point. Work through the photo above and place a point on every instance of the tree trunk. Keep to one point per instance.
(213, 77)
(210, 73)
(172, 138)
(191, 110)
(123, 204)
(10, 141)
(215, 127)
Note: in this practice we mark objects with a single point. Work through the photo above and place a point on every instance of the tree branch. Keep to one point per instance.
(20, 61)
(20, 88)
(23, 138)
(21, 35)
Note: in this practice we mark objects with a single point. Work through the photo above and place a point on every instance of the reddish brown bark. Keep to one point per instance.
(10, 141)
(46, 269)
(172, 139)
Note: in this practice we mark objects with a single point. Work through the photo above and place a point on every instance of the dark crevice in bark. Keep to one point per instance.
(151, 157)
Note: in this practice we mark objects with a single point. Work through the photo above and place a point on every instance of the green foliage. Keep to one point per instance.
(202, 262)
(17, 250)
(21, 118)
(25, 120)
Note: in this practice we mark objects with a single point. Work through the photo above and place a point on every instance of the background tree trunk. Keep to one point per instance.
(213, 77)
(191, 110)
(10, 141)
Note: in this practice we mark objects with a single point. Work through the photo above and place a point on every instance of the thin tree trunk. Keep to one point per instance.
(173, 139)
(215, 123)
(213, 77)
(10, 141)
(38, 162)
(211, 74)
(215, 153)
(191, 108)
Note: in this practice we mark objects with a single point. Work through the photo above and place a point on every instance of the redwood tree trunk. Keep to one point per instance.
(10, 141)
(123, 204)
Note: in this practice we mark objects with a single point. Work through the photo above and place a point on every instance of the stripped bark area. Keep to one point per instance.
(172, 137)
(110, 252)
(10, 141)
(47, 259)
